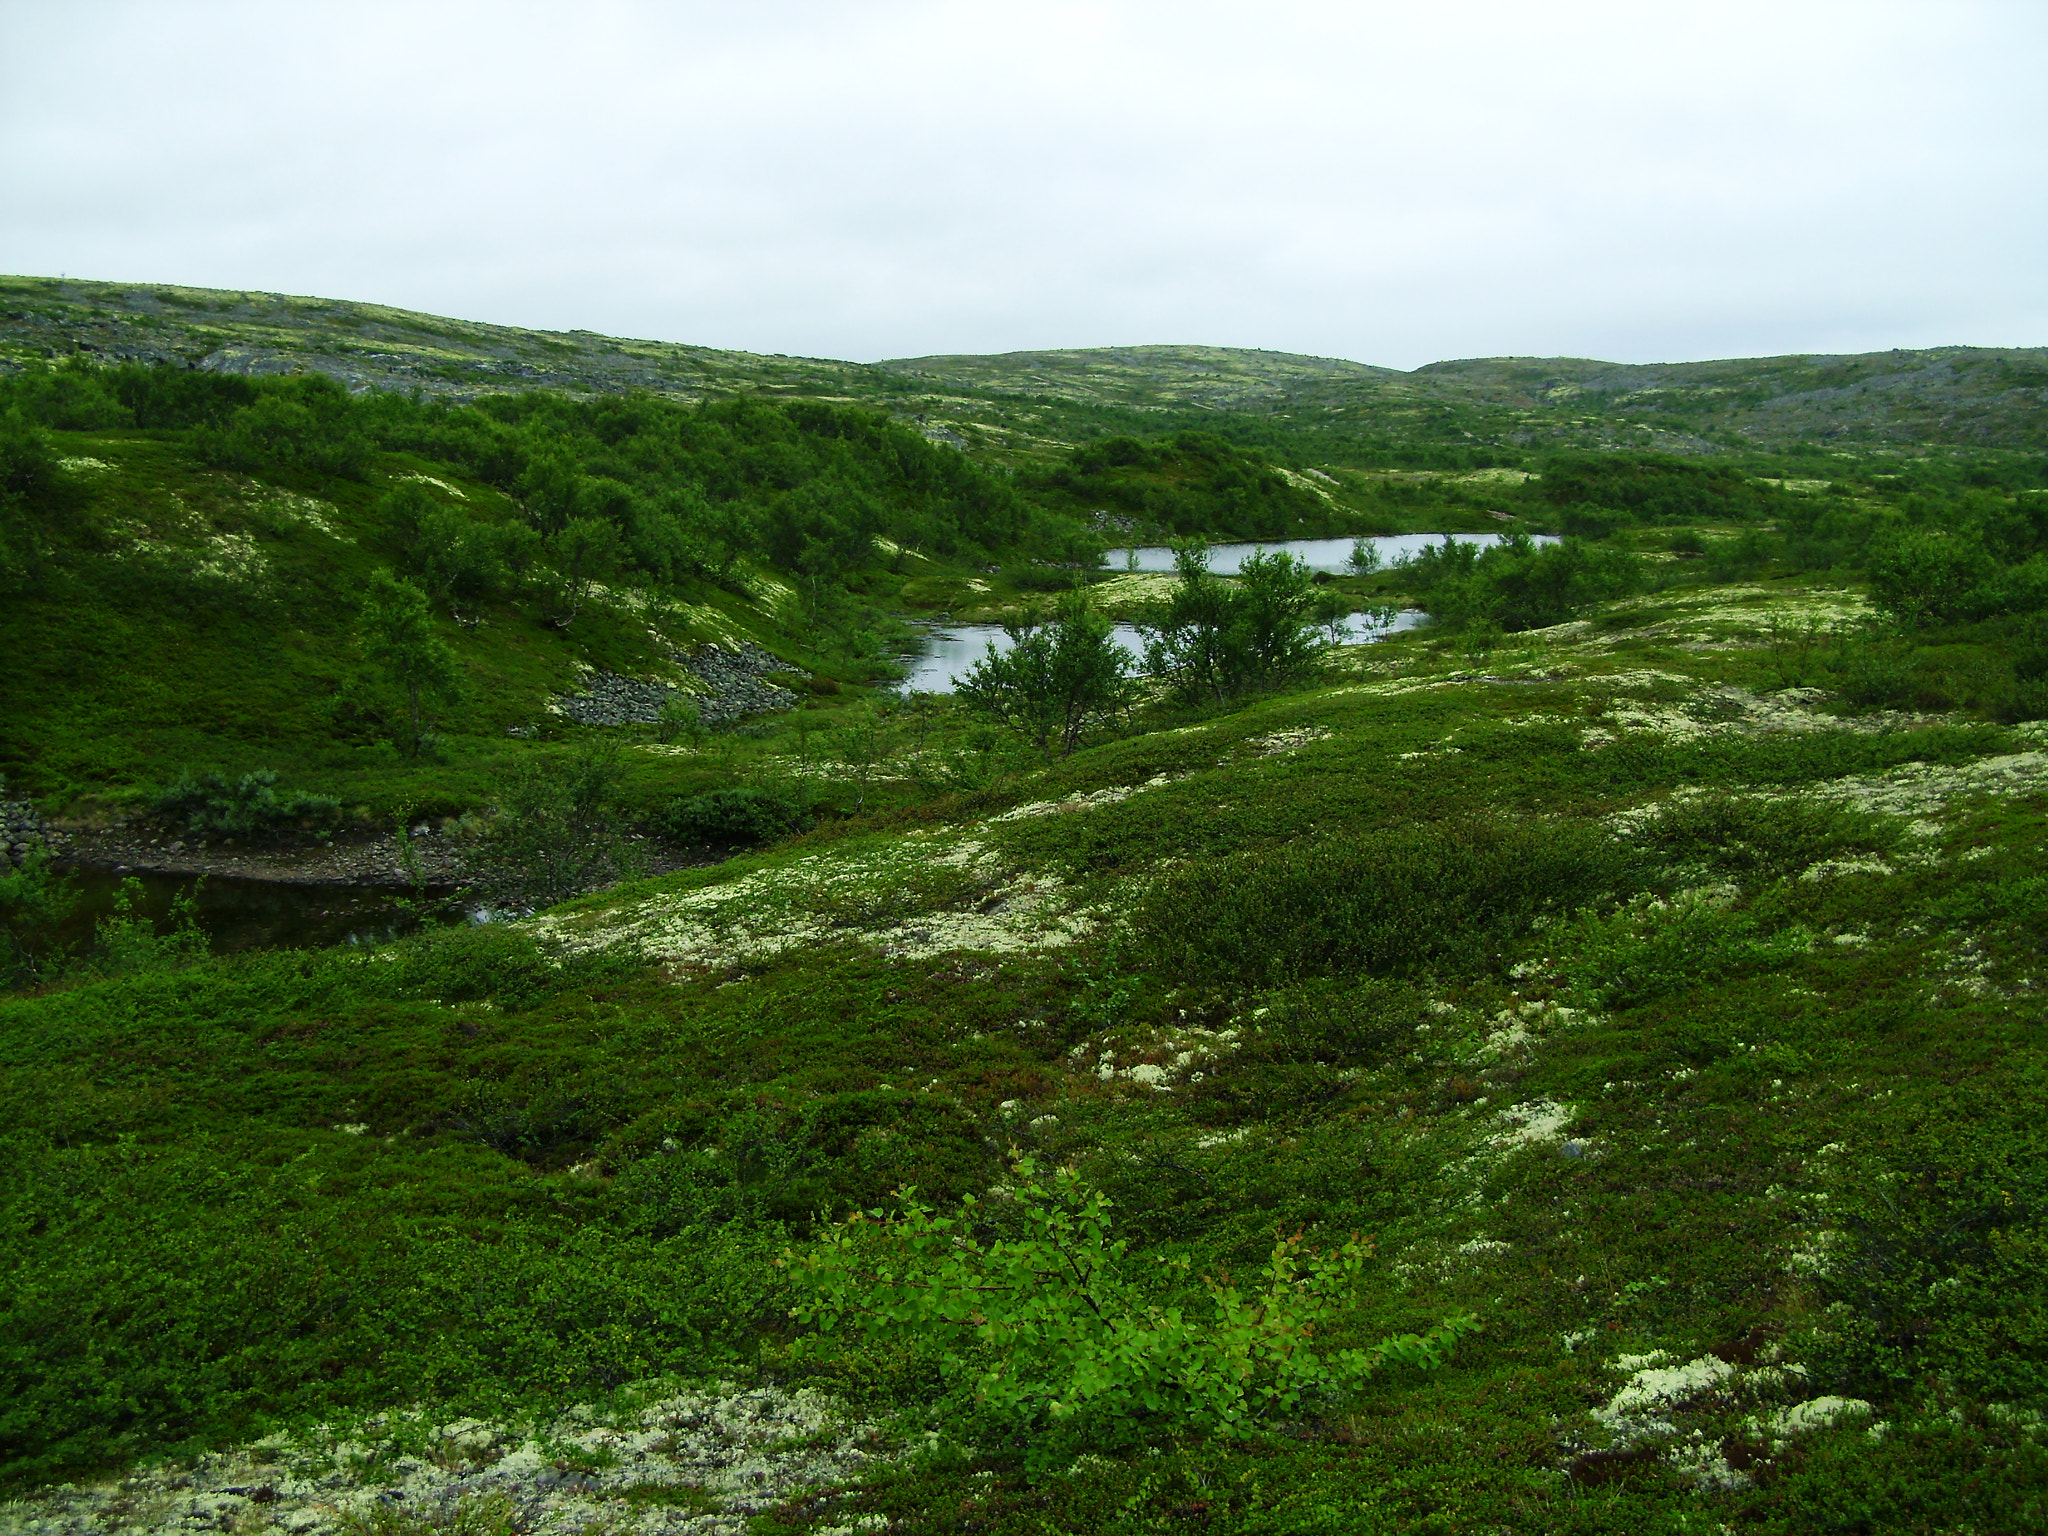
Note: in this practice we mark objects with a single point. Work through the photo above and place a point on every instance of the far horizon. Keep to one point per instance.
(155, 285)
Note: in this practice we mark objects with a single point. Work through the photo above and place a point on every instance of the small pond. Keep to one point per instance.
(238, 913)
(1331, 555)
(953, 648)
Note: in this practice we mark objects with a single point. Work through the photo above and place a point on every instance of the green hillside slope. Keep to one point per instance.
(1682, 1028)
(1576, 1066)
(187, 557)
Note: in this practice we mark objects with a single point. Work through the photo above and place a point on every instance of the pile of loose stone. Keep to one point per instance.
(688, 1464)
(21, 829)
(732, 681)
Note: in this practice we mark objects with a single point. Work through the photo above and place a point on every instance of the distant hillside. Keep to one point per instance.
(1211, 378)
(1020, 408)
(1960, 396)
(369, 345)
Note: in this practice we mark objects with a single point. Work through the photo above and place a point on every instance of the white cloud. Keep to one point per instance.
(1391, 182)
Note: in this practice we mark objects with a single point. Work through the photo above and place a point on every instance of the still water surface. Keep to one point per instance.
(952, 650)
(1332, 555)
(237, 913)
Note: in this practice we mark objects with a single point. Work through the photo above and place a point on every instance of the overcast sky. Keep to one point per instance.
(1643, 180)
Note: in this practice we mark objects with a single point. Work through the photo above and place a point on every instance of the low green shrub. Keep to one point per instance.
(1038, 578)
(1063, 676)
(210, 802)
(34, 901)
(179, 1295)
(1054, 1330)
(731, 818)
(1517, 584)
(1932, 1259)
(558, 828)
(1748, 836)
(1447, 896)
(1652, 948)
(1209, 640)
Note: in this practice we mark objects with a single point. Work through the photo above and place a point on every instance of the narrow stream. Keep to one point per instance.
(237, 913)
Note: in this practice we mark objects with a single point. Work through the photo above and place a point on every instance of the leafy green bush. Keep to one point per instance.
(1038, 578)
(731, 818)
(1446, 896)
(1055, 1330)
(494, 961)
(1060, 678)
(1213, 640)
(1653, 947)
(558, 828)
(1936, 1271)
(211, 802)
(678, 716)
(1925, 577)
(1517, 584)
(1650, 488)
(73, 396)
(33, 902)
(1189, 483)
(174, 1294)
(404, 658)
(126, 942)
(38, 501)
(302, 426)
(1745, 835)
(1586, 521)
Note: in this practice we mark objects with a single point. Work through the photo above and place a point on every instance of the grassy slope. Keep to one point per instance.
(206, 620)
(1803, 1142)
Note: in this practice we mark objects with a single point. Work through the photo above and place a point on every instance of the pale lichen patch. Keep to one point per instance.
(439, 485)
(915, 898)
(1082, 800)
(730, 1452)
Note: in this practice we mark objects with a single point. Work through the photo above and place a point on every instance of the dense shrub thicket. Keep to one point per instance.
(1446, 896)
(618, 485)
(1188, 483)
(1597, 491)
(1518, 584)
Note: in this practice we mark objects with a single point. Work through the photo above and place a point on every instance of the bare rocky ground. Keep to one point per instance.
(681, 1463)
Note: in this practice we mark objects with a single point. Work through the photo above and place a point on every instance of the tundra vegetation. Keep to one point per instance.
(1576, 1066)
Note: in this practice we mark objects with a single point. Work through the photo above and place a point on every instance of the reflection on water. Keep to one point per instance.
(950, 652)
(953, 650)
(1332, 555)
(237, 913)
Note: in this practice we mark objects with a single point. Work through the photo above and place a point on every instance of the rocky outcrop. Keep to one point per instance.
(732, 682)
(21, 829)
